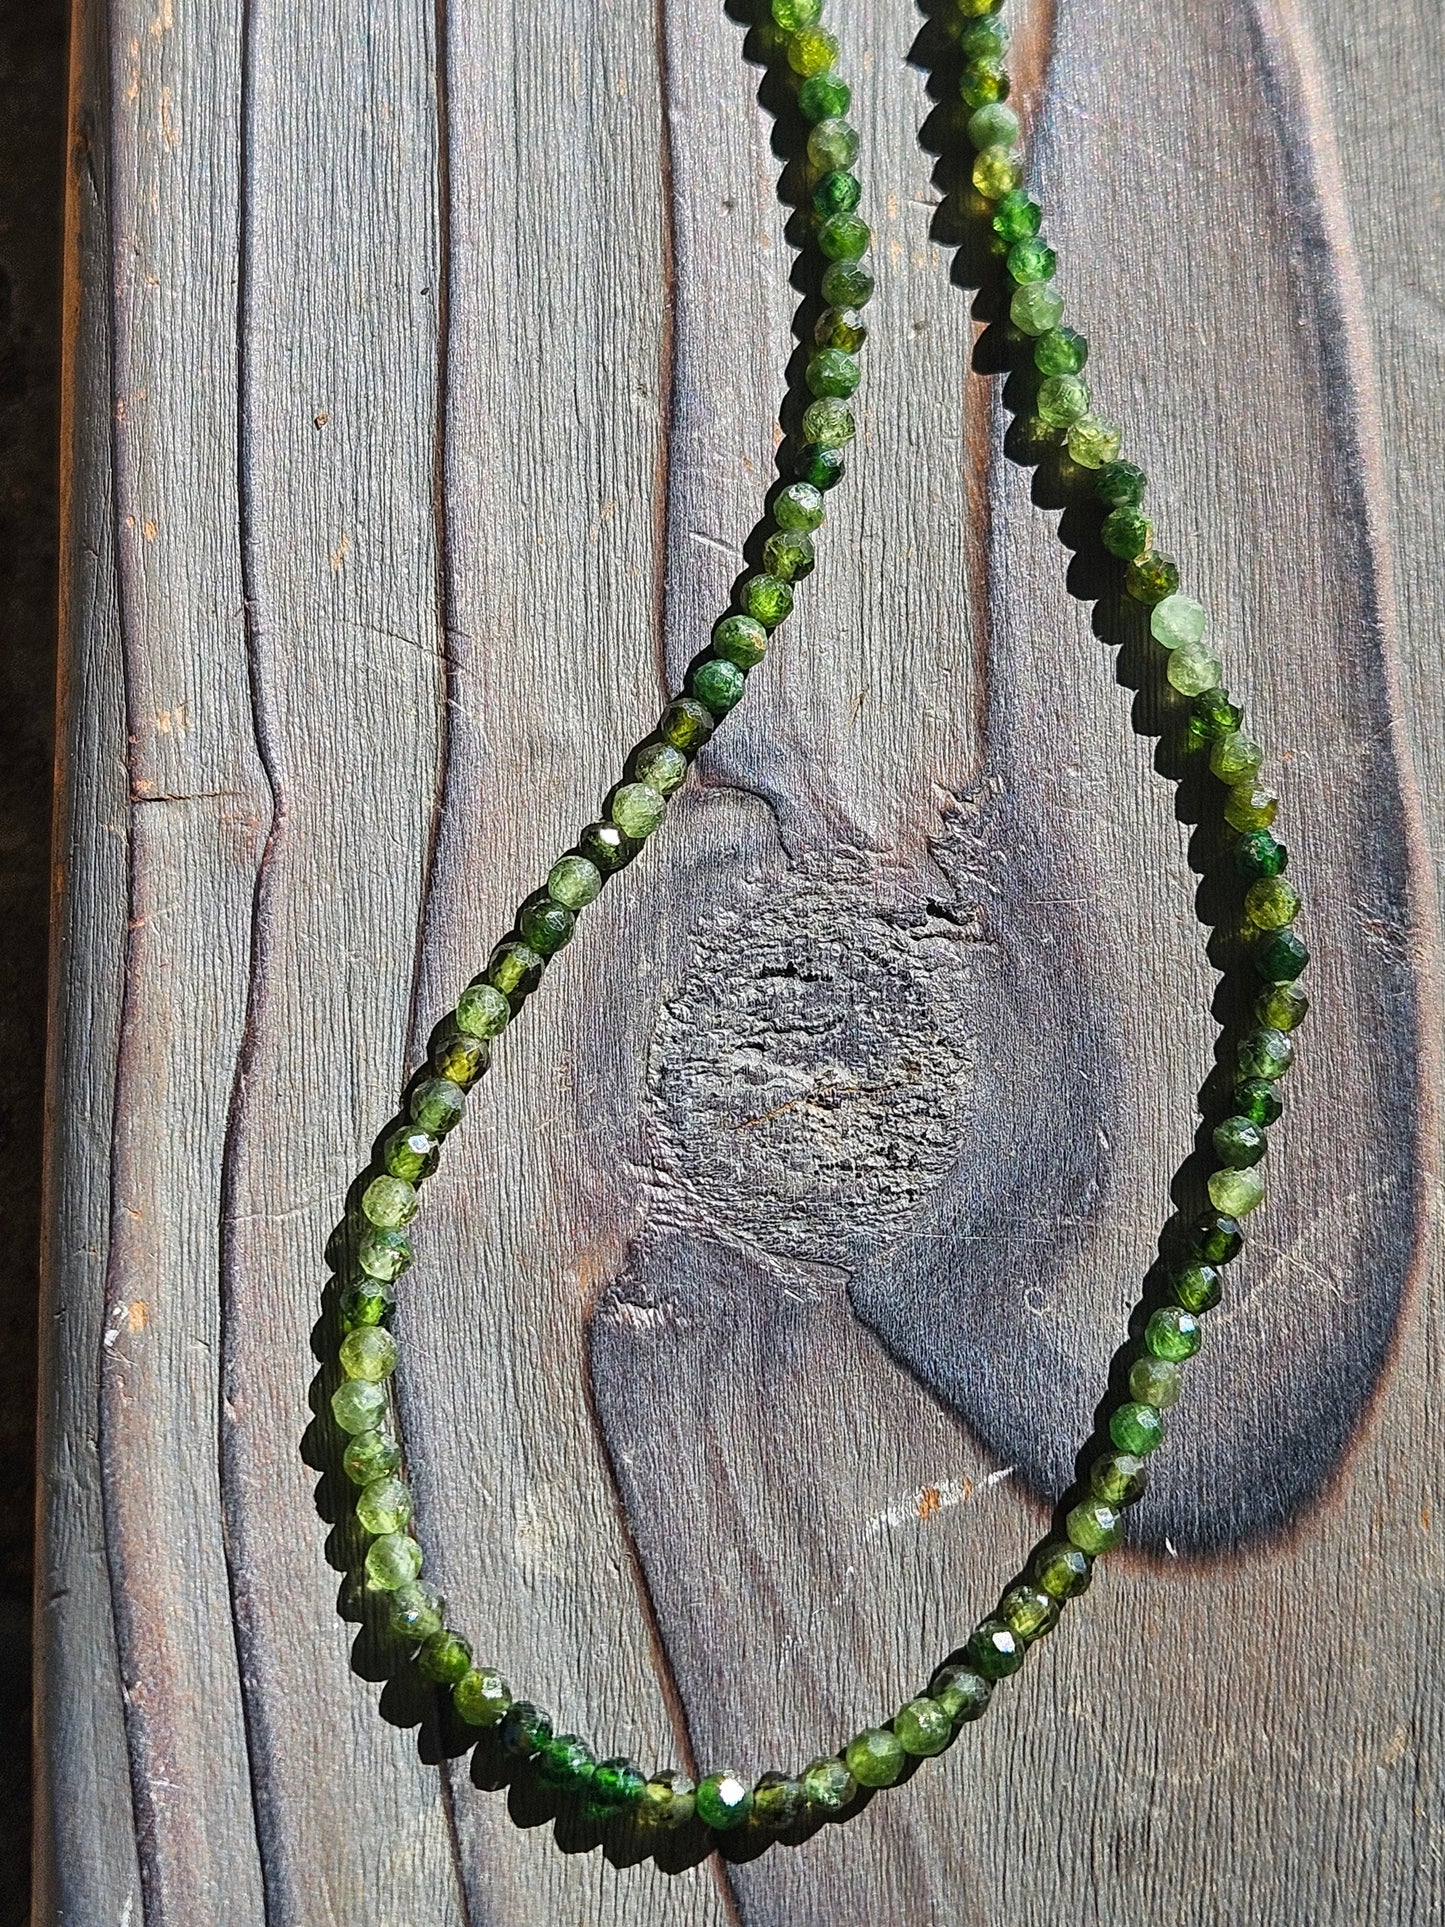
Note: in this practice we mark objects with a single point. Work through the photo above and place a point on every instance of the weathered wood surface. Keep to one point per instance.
(423, 366)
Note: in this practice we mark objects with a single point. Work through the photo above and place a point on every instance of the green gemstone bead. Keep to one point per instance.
(1120, 485)
(1125, 532)
(1281, 957)
(1193, 667)
(1271, 903)
(1265, 1053)
(1016, 218)
(436, 1105)
(392, 1561)
(461, 1059)
(1156, 1382)
(668, 1801)
(837, 193)
(526, 1729)
(984, 83)
(616, 1786)
(370, 1455)
(660, 767)
(445, 1658)
(977, 9)
(566, 1763)
(846, 284)
(1151, 577)
(544, 926)
(1092, 442)
(1236, 758)
(833, 373)
(823, 467)
(1177, 619)
(483, 1010)
(381, 1252)
(811, 51)
(1173, 1333)
(415, 1612)
(875, 1757)
(1061, 1570)
(799, 509)
(833, 143)
(767, 599)
(368, 1353)
(829, 1786)
(1036, 307)
(843, 237)
(1258, 855)
(995, 170)
(824, 97)
(606, 848)
(1028, 1611)
(1236, 1192)
(790, 15)
(994, 125)
(1239, 1142)
(717, 685)
(1031, 261)
(1281, 1007)
(828, 423)
(383, 1506)
(779, 1802)
(995, 1650)
(984, 40)
(1212, 717)
(923, 1727)
(390, 1202)
(1060, 352)
(1197, 1288)
(359, 1405)
(1217, 1240)
(845, 329)
(1062, 400)
(739, 639)
(366, 1301)
(1136, 1428)
(1094, 1527)
(1250, 806)
(788, 554)
(574, 881)
(687, 723)
(961, 1692)
(514, 968)
(723, 1801)
(411, 1153)
(1118, 1478)
(637, 809)
(481, 1697)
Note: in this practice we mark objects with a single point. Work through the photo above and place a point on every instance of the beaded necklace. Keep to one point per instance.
(377, 1250)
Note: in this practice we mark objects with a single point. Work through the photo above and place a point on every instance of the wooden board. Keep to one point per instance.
(423, 368)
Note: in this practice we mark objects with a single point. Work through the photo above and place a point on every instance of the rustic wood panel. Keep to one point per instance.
(422, 376)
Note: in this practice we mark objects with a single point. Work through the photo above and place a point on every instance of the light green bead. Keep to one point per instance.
(828, 422)
(1193, 668)
(389, 1201)
(1236, 1193)
(1177, 620)
(1036, 307)
(1250, 806)
(1092, 442)
(483, 1010)
(1156, 1382)
(637, 809)
(1062, 399)
(393, 1560)
(995, 172)
(828, 1784)
(481, 1697)
(383, 1506)
(370, 1455)
(416, 1611)
(811, 50)
(368, 1353)
(669, 1800)
(573, 881)
(993, 125)
(923, 1728)
(660, 767)
(1236, 758)
(1094, 1526)
(875, 1757)
(738, 638)
(381, 1251)
(1271, 903)
(358, 1405)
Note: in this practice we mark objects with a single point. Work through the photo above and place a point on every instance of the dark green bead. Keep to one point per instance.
(1215, 1238)
(847, 284)
(525, 1730)
(962, 1693)
(995, 1650)
(1151, 577)
(1017, 218)
(1173, 1333)
(514, 968)
(411, 1153)
(1032, 261)
(799, 506)
(824, 97)
(1061, 1570)
(723, 1801)
(717, 684)
(739, 639)
(1197, 1287)
(437, 1105)
(686, 723)
(837, 193)
(545, 926)
(460, 1058)
(1265, 1053)
(1280, 956)
(575, 882)
(565, 1763)
(1125, 532)
(1059, 351)
(1257, 1100)
(924, 1727)
(982, 82)
(832, 372)
(370, 1455)
(767, 599)
(382, 1251)
(842, 328)
(788, 554)
(779, 1802)
(843, 237)
(1118, 1478)
(1258, 855)
(829, 1786)
(1136, 1428)
(1120, 485)
(1281, 1007)
(821, 467)
(875, 1757)
(605, 846)
(1239, 1142)
(1212, 717)
(445, 1657)
(616, 1787)
(1029, 1612)
(366, 1301)
(984, 40)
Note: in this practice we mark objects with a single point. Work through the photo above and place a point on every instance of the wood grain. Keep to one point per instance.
(421, 376)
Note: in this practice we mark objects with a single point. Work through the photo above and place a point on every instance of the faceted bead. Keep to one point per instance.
(822, 467)
(829, 1785)
(1217, 1240)
(923, 1728)
(1173, 1333)
(717, 685)
(1120, 485)
(833, 143)
(1094, 1527)
(461, 1059)
(738, 638)
(1151, 577)
(445, 1657)
(811, 51)
(526, 1729)
(358, 1405)
(824, 97)
(1091, 442)
(1237, 1192)
(368, 1353)
(575, 881)
(1197, 1288)
(1155, 1381)
(370, 1455)
(790, 15)
(389, 1201)
(837, 193)
(544, 926)
(1236, 758)
(1212, 716)
(1136, 1428)
(846, 284)
(481, 1697)
(1029, 1612)
(616, 1786)
(828, 422)
(1031, 261)
(687, 723)
(1014, 219)
(842, 237)
(779, 1802)
(566, 1763)
(995, 171)
(1125, 532)
(961, 1692)
(411, 1153)
(606, 848)
(983, 83)
(841, 328)
(875, 1757)
(832, 372)
(668, 1801)
(416, 1612)
(366, 1301)
(723, 1801)
(637, 809)
(788, 554)
(1271, 903)
(798, 507)
(514, 968)
(1265, 1053)
(483, 1010)
(1193, 667)
(1281, 1007)
(1250, 807)
(1239, 1142)
(1177, 619)
(1257, 854)
(995, 125)
(767, 599)
(384, 1253)
(1118, 1478)
(391, 1561)
(977, 9)
(995, 1650)
(383, 1506)
(1280, 958)
(1061, 351)
(984, 40)
(1061, 1570)
(1036, 307)
(1061, 400)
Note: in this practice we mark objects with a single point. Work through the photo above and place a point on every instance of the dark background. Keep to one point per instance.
(32, 161)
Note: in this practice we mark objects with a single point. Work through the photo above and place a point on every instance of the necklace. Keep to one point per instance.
(377, 1252)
